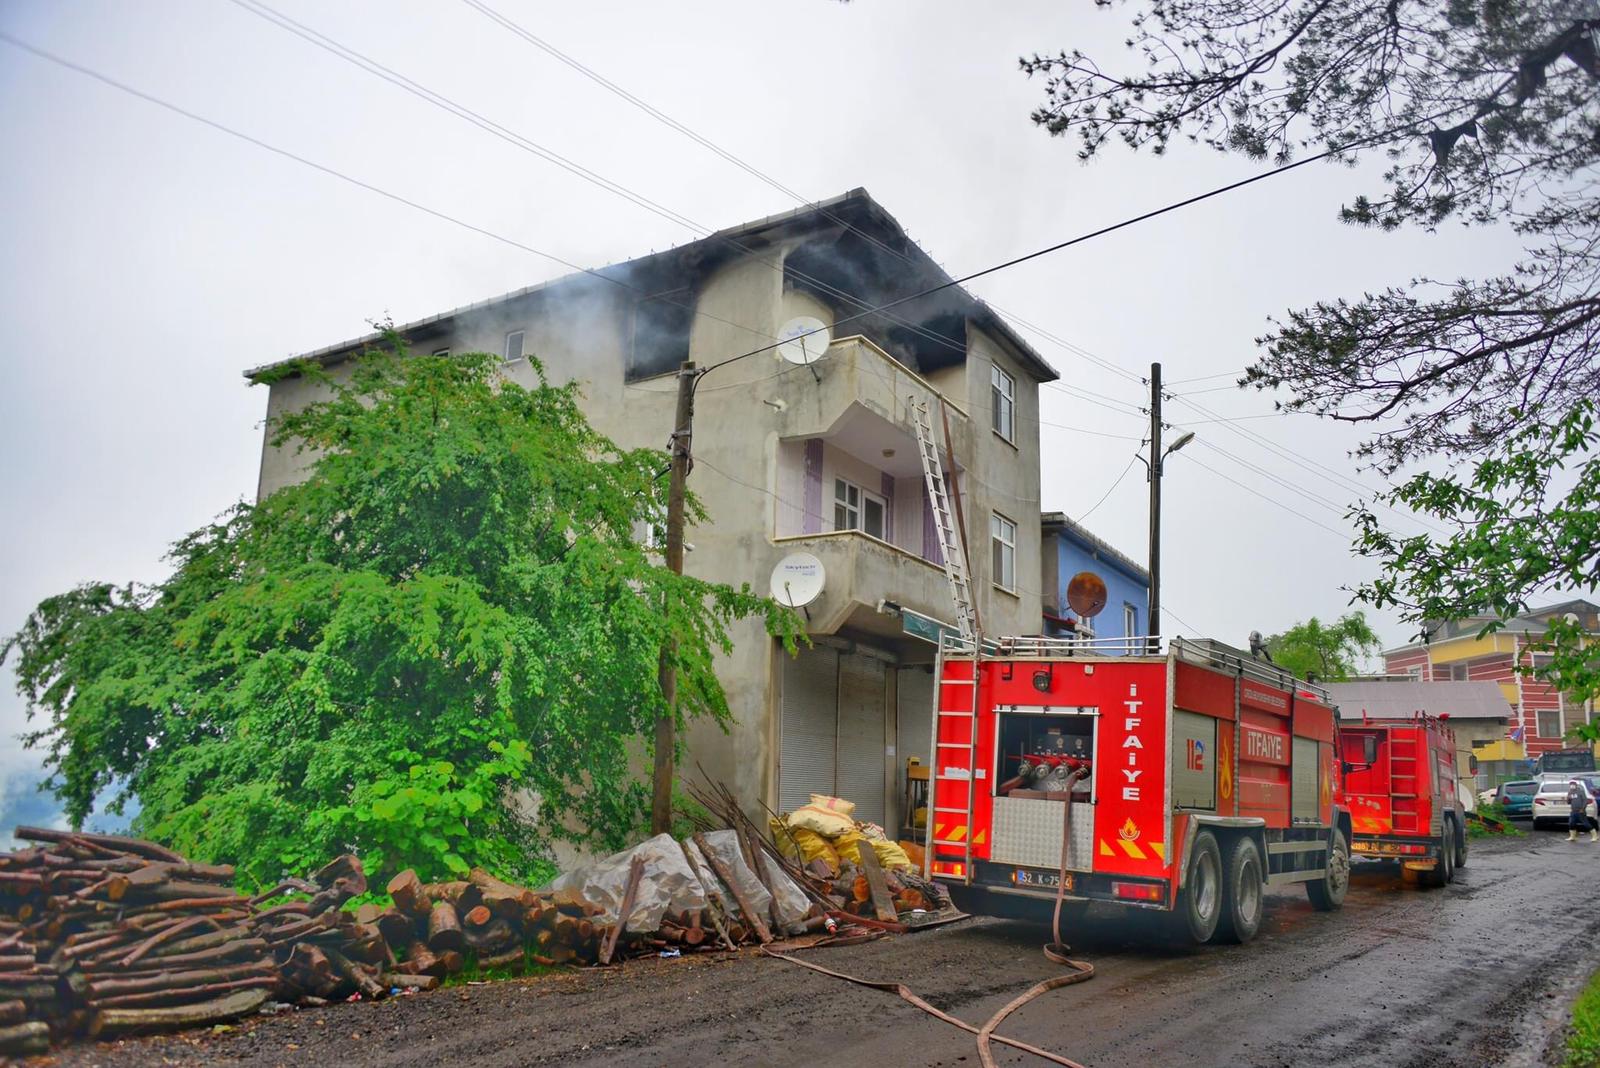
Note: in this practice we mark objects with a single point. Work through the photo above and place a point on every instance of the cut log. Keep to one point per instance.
(444, 927)
(514, 960)
(420, 960)
(12, 1011)
(101, 988)
(166, 934)
(409, 982)
(406, 891)
(24, 1038)
(342, 872)
(366, 981)
(504, 898)
(285, 887)
(188, 994)
(219, 1010)
(478, 916)
(244, 947)
(369, 913)
(491, 937)
(397, 928)
(711, 896)
(115, 842)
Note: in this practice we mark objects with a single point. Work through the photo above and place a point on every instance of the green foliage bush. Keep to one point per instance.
(439, 649)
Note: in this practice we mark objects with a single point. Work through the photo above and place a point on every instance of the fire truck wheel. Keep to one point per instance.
(1444, 870)
(1327, 893)
(1244, 902)
(1200, 904)
(1461, 847)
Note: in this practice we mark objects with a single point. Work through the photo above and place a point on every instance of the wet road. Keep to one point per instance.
(1476, 974)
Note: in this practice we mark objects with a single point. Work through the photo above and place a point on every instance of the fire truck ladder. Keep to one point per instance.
(949, 825)
(955, 561)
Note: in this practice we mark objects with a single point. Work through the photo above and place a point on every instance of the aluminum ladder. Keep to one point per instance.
(955, 561)
(955, 731)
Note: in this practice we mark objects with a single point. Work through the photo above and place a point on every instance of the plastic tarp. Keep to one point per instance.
(792, 903)
(667, 885)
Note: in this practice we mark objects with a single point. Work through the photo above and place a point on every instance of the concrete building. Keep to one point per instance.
(820, 459)
(1070, 549)
(1540, 715)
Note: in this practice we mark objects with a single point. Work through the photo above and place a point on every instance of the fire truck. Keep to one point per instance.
(1183, 781)
(1400, 787)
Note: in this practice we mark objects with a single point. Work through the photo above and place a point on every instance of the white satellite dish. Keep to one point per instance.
(804, 339)
(797, 580)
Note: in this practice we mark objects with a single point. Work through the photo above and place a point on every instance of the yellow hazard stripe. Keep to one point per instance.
(1159, 850)
(1131, 848)
(1105, 850)
(978, 839)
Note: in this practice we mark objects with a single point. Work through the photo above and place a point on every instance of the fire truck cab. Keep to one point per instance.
(1400, 789)
(1184, 782)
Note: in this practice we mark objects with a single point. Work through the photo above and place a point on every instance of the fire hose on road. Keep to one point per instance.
(1056, 951)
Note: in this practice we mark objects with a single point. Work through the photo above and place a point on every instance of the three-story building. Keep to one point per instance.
(817, 458)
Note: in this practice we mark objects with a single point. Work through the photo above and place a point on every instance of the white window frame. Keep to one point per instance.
(1130, 619)
(855, 514)
(441, 352)
(1003, 552)
(1003, 403)
(521, 336)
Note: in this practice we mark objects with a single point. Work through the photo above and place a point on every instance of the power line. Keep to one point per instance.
(1270, 500)
(1207, 378)
(1131, 460)
(595, 76)
(1057, 247)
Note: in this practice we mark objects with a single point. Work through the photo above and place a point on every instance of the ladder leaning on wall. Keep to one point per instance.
(951, 793)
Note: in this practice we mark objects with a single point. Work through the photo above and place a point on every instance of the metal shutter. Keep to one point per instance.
(808, 727)
(862, 707)
(913, 729)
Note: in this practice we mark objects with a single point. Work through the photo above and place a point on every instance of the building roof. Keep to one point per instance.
(1391, 699)
(853, 214)
(1058, 523)
(1530, 622)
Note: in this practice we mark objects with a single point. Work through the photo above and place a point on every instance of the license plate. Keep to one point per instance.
(1048, 880)
(1390, 848)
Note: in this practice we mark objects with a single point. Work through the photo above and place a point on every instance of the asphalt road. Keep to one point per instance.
(1477, 974)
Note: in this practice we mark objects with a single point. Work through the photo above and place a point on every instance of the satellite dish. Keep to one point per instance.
(1086, 594)
(797, 580)
(804, 339)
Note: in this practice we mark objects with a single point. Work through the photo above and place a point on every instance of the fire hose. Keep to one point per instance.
(1056, 951)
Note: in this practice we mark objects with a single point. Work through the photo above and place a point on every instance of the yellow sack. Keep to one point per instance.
(845, 845)
(828, 816)
(890, 856)
(812, 846)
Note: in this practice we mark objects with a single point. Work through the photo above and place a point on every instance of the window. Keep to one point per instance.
(514, 346)
(856, 509)
(1415, 672)
(1458, 673)
(1130, 620)
(1003, 389)
(1549, 723)
(441, 352)
(1003, 533)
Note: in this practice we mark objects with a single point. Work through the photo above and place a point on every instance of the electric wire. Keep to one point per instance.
(1104, 496)
(1270, 500)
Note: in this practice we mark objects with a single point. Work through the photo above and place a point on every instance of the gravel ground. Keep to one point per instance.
(1477, 974)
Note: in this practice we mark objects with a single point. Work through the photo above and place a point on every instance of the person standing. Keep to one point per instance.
(1578, 802)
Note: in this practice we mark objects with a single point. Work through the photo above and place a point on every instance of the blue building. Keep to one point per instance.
(1069, 549)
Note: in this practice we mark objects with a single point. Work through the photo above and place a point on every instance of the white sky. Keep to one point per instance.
(148, 259)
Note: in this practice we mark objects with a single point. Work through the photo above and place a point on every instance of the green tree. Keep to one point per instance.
(1487, 111)
(448, 617)
(1328, 652)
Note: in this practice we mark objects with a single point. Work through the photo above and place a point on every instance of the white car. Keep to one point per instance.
(1550, 800)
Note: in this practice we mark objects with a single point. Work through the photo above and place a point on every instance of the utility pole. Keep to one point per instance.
(1153, 624)
(680, 447)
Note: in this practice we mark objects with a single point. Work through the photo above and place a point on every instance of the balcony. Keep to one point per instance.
(857, 395)
(861, 572)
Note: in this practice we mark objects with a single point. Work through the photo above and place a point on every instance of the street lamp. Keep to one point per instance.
(1156, 462)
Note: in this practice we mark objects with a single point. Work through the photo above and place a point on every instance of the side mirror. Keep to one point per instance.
(1369, 749)
(1472, 765)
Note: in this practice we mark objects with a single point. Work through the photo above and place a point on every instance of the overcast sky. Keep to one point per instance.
(147, 259)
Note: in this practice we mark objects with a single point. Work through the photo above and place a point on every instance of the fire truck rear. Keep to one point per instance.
(1400, 790)
(1186, 782)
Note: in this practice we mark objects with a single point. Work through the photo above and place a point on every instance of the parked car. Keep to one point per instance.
(1516, 798)
(1550, 800)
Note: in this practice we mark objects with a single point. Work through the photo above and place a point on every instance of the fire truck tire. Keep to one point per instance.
(1327, 893)
(1200, 905)
(1445, 869)
(1461, 851)
(1244, 901)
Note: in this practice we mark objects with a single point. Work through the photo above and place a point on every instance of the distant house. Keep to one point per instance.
(1070, 549)
(1540, 715)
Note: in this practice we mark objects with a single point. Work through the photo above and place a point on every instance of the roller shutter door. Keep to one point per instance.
(913, 718)
(809, 726)
(862, 709)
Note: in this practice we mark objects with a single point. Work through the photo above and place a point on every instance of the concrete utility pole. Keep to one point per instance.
(681, 444)
(1157, 461)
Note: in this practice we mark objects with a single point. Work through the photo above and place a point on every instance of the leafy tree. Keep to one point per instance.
(1328, 652)
(448, 618)
(1487, 111)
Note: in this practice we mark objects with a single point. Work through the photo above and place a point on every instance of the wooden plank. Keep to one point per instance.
(882, 900)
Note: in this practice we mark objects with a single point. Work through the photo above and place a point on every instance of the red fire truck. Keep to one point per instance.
(1190, 780)
(1400, 790)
